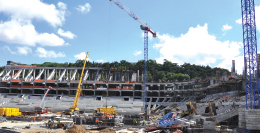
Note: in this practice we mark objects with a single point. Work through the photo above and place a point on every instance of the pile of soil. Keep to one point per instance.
(77, 129)
(108, 130)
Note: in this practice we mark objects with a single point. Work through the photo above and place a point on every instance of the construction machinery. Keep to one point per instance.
(75, 103)
(9, 112)
(41, 108)
(144, 26)
(250, 54)
(110, 111)
(210, 109)
(190, 110)
(231, 78)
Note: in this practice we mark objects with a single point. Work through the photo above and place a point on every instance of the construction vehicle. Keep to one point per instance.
(231, 77)
(105, 110)
(41, 108)
(190, 110)
(104, 115)
(75, 103)
(210, 110)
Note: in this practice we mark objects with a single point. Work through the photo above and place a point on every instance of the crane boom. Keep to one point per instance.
(41, 104)
(75, 103)
(144, 25)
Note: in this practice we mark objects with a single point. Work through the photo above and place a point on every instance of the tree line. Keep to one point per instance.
(165, 72)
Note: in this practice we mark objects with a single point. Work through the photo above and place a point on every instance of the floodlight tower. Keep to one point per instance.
(250, 53)
(144, 26)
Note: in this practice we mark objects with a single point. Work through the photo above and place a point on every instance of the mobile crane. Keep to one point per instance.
(41, 108)
(75, 103)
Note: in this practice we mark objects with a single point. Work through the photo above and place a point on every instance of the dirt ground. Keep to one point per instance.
(18, 124)
(41, 130)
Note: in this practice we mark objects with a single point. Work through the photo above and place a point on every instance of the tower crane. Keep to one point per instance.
(144, 26)
(250, 54)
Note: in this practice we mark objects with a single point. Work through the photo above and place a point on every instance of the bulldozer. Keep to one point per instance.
(190, 110)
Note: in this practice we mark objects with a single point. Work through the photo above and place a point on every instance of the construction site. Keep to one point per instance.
(98, 99)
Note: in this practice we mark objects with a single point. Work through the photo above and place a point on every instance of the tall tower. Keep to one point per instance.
(250, 53)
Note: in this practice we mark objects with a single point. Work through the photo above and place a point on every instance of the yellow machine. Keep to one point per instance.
(75, 103)
(9, 111)
(190, 110)
(211, 108)
(105, 110)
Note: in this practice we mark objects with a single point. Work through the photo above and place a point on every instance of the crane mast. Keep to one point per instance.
(250, 53)
(75, 103)
(144, 26)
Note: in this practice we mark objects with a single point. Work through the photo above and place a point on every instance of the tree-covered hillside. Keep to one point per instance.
(167, 71)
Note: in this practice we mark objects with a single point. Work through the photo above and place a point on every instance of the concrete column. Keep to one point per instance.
(23, 72)
(33, 73)
(67, 71)
(44, 74)
(137, 75)
(12, 73)
(70, 75)
(133, 90)
(55, 75)
(48, 74)
(77, 76)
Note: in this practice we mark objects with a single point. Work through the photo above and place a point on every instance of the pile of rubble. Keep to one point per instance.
(2, 119)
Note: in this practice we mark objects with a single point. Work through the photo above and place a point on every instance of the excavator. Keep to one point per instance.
(75, 103)
(210, 110)
(190, 110)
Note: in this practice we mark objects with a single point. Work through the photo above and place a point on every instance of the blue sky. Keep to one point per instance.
(202, 32)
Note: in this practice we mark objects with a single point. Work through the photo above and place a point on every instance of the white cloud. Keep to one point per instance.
(239, 21)
(197, 46)
(8, 49)
(101, 61)
(67, 34)
(24, 33)
(20, 50)
(24, 50)
(257, 18)
(34, 9)
(41, 52)
(84, 8)
(20, 30)
(226, 27)
(136, 53)
(81, 56)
